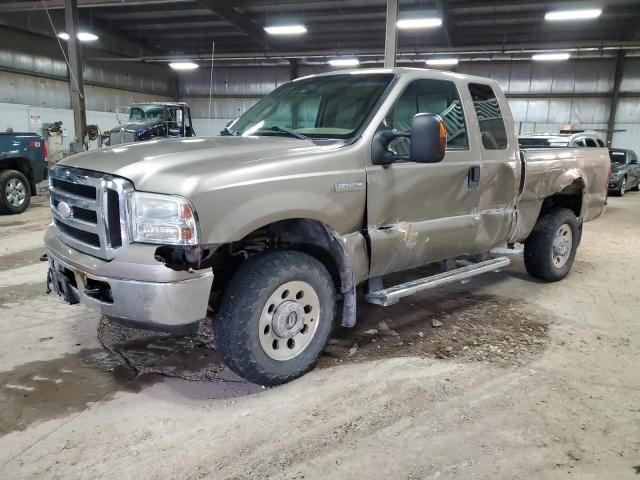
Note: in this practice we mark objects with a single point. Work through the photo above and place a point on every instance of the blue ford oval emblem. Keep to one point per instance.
(64, 210)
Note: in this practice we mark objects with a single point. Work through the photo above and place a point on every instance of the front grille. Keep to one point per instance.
(86, 191)
(84, 214)
(88, 209)
(81, 235)
(122, 136)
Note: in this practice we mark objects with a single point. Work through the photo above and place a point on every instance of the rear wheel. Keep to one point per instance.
(15, 193)
(276, 317)
(550, 250)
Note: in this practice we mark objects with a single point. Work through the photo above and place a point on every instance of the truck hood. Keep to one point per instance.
(181, 166)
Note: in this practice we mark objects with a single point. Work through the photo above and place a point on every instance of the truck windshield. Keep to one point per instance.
(333, 106)
(140, 113)
(618, 156)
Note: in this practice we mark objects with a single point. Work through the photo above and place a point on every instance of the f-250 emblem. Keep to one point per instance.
(355, 186)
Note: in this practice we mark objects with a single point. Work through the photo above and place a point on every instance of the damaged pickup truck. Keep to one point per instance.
(329, 182)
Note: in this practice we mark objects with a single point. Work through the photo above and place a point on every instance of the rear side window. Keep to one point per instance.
(591, 142)
(492, 129)
(600, 143)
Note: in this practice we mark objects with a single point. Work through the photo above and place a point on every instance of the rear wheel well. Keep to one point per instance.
(569, 197)
(303, 235)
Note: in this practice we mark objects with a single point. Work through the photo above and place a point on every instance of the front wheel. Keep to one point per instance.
(551, 248)
(276, 317)
(623, 187)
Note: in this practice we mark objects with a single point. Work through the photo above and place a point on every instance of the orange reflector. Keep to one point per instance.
(186, 233)
(442, 133)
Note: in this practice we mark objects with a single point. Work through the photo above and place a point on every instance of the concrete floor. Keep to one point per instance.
(522, 380)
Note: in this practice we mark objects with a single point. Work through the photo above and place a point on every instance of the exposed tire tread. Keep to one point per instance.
(537, 248)
(255, 279)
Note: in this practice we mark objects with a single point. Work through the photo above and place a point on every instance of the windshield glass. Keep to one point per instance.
(618, 156)
(333, 106)
(141, 113)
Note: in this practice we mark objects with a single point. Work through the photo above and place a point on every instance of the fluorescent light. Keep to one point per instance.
(560, 15)
(87, 37)
(414, 23)
(550, 56)
(442, 61)
(344, 62)
(286, 29)
(82, 36)
(183, 65)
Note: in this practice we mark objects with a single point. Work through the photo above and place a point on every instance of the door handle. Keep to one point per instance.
(474, 177)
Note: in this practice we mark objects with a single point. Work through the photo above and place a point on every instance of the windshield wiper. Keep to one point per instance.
(228, 133)
(288, 131)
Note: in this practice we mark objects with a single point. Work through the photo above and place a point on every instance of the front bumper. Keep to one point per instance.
(133, 287)
(614, 184)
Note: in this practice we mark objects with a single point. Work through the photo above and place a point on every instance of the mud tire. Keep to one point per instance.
(236, 326)
(538, 248)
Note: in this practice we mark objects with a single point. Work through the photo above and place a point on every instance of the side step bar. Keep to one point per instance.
(391, 295)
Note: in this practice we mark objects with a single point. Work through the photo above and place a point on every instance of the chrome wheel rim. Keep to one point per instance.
(15, 192)
(289, 320)
(562, 245)
(623, 186)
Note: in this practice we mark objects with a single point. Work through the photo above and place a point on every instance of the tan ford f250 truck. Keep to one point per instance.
(329, 182)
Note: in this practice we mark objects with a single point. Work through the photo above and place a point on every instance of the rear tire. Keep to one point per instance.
(550, 250)
(15, 192)
(276, 317)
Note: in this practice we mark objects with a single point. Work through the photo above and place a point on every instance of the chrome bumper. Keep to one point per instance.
(178, 299)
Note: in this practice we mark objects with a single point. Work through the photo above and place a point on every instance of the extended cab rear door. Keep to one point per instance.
(500, 166)
(421, 213)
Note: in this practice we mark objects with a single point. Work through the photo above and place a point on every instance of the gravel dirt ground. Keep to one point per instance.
(502, 377)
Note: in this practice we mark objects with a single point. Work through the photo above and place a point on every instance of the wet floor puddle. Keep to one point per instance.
(42, 390)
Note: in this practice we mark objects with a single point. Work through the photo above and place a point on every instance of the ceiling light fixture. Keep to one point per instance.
(550, 57)
(183, 66)
(415, 23)
(344, 62)
(441, 61)
(82, 36)
(286, 29)
(87, 37)
(561, 15)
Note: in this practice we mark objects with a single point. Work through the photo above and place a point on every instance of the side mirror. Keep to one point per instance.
(428, 138)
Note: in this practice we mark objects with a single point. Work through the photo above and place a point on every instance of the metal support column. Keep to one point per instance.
(615, 98)
(293, 68)
(76, 82)
(391, 37)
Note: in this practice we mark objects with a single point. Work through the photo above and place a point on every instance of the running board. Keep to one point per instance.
(391, 295)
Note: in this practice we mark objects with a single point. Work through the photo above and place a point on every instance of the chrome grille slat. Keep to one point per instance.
(77, 223)
(74, 200)
(97, 238)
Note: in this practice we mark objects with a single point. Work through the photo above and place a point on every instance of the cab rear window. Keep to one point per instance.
(492, 128)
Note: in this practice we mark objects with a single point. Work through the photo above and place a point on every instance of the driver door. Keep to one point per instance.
(422, 213)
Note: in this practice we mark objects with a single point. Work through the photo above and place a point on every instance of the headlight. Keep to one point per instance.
(164, 219)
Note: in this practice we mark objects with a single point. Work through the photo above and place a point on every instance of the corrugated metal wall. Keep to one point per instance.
(578, 93)
(34, 85)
